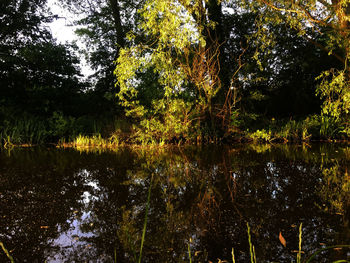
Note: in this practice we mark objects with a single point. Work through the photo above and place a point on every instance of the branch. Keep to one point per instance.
(303, 12)
(324, 49)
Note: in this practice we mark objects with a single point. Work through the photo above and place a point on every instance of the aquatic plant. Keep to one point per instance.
(189, 250)
(319, 127)
(6, 252)
(251, 246)
(94, 141)
(261, 136)
(23, 131)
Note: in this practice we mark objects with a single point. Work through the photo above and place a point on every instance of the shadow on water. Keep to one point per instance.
(69, 206)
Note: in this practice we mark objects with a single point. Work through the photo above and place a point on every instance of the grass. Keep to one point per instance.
(251, 246)
(22, 131)
(31, 130)
(189, 250)
(82, 141)
(316, 127)
(113, 142)
(6, 252)
(300, 239)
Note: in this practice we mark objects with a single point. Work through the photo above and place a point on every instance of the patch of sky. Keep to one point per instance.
(63, 30)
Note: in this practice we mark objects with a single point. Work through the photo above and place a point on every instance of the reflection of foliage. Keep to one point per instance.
(204, 194)
(336, 189)
(209, 187)
(260, 148)
(128, 234)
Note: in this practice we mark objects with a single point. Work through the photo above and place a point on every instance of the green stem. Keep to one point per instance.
(6, 252)
(300, 238)
(251, 247)
(145, 222)
(189, 251)
(233, 256)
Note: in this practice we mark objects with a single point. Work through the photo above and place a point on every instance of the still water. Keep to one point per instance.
(68, 206)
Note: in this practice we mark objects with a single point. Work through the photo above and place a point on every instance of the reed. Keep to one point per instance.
(300, 239)
(6, 252)
(251, 246)
(233, 256)
(189, 250)
(23, 131)
(145, 221)
(95, 141)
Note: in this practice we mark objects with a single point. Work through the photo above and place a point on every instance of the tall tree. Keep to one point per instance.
(36, 74)
(103, 26)
(183, 47)
(332, 20)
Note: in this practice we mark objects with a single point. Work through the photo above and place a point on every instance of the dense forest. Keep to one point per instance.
(176, 71)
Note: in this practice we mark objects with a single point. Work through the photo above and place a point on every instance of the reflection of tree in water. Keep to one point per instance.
(335, 192)
(274, 194)
(118, 211)
(207, 195)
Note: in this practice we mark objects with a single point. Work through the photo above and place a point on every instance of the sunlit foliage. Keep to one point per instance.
(186, 68)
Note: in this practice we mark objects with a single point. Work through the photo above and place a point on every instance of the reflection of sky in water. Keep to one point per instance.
(272, 174)
(68, 243)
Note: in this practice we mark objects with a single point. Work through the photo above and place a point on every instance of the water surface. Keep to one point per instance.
(68, 206)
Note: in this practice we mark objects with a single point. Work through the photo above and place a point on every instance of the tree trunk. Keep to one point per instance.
(214, 35)
(117, 23)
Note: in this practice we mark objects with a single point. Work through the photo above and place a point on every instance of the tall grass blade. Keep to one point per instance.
(146, 217)
(300, 239)
(233, 256)
(254, 254)
(251, 247)
(189, 250)
(6, 252)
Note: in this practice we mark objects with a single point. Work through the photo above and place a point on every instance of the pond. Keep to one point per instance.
(194, 203)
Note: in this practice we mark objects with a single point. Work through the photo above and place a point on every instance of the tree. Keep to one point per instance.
(40, 83)
(19, 23)
(332, 20)
(102, 26)
(36, 74)
(184, 48)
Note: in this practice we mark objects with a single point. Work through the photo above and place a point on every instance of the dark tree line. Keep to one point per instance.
(253, 66)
